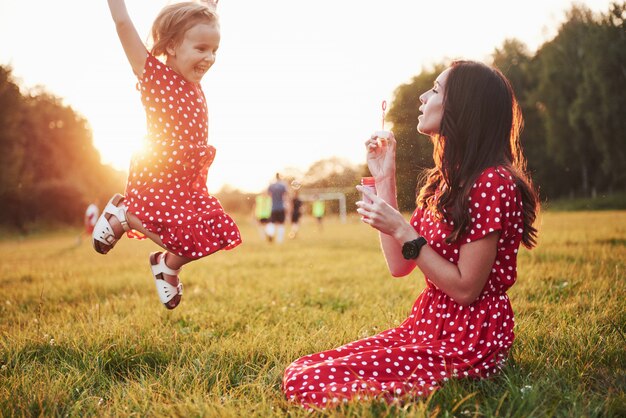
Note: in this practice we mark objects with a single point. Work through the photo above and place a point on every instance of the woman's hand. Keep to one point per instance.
(383, 217)
(381, 155)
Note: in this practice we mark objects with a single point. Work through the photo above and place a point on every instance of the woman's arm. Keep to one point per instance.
(131, 42)
(381, 160)
(392, 249)
(463, 282)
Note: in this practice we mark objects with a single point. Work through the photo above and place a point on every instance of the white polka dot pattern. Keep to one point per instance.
(440, 339)
(166, 185)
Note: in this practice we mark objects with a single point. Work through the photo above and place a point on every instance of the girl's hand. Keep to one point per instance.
(380, 215)
(210, 3)
(381, 155)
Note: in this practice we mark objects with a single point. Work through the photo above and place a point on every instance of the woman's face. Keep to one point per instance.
(432, 106)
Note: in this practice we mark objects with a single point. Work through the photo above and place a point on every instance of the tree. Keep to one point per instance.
(561, 79)
(518, 65)
(332, 173)
(599, 106)
(11, 143)
(49, 168)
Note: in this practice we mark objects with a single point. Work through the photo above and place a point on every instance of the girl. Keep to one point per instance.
(476, 207)
(166, 197)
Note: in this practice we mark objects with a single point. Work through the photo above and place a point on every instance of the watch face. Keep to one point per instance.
(410, 250)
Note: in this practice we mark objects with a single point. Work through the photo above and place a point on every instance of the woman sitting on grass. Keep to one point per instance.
(477, 205)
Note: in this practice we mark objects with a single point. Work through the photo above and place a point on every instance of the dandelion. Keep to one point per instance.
(525, 390)
(52, 342)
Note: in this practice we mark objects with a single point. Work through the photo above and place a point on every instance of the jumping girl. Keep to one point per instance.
(166, 198)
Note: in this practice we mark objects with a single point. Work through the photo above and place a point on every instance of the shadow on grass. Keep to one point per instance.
(116, 362)
(55, 380)
(613, 242)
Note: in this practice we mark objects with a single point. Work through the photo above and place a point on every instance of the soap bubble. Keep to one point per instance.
(296, 185)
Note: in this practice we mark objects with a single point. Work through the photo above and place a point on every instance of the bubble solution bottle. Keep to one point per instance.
(370, 183)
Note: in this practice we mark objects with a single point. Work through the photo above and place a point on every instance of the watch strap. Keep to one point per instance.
(411, 249)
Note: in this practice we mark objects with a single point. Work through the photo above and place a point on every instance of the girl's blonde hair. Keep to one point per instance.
(174, 20)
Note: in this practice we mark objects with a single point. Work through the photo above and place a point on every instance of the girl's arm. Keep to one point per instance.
(134, 48)
(210, 3)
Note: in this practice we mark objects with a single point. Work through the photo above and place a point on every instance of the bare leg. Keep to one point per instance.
(173, 261)
(136, 224)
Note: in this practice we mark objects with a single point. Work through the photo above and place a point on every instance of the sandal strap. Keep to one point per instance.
(162, 268)
(119, 212)
(165, 290)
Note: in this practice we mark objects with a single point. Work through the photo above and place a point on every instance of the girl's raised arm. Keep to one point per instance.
(134, 48)
(210, 3)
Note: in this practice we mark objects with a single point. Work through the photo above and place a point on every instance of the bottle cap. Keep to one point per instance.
(368, 181)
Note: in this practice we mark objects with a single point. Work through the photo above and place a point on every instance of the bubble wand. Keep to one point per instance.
(384, 107)
(382, 135)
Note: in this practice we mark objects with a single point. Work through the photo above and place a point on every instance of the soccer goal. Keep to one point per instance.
(311, 195)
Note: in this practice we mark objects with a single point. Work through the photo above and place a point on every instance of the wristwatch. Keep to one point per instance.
(411, 249)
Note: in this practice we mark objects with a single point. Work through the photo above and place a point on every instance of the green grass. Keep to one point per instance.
(84, 334)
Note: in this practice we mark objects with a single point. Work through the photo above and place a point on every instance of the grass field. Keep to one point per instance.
(84, 334)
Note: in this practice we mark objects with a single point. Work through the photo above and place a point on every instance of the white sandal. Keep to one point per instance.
(104, 239)
(169, 294)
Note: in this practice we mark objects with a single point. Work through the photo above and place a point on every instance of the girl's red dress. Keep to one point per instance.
(440, 339)
(166, 186)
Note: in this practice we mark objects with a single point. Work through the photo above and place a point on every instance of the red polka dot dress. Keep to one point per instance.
(440, 339)
(166, 186)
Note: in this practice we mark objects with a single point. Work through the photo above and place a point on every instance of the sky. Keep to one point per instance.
(294, 82)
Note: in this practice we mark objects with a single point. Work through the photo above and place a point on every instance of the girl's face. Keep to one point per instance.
(432, 106)
(195, 53)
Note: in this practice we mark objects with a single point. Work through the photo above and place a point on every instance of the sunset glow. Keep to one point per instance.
(293, 83)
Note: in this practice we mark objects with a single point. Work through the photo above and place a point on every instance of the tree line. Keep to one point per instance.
(572, 91)
(49, 168)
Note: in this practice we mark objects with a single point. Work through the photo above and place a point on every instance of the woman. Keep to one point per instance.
(477, 205)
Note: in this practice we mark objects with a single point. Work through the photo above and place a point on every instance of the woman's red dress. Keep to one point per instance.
(440, 339)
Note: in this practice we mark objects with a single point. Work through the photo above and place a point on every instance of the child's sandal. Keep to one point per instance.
(169, 294)
(104, 238)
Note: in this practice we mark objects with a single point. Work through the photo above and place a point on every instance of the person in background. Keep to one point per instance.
(475, 208)
(91, 216)
(262, 212)
(318, 209)
(276, 227)
(89, 222)
(296, 207)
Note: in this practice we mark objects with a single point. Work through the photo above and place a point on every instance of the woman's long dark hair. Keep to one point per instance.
(480, 128)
